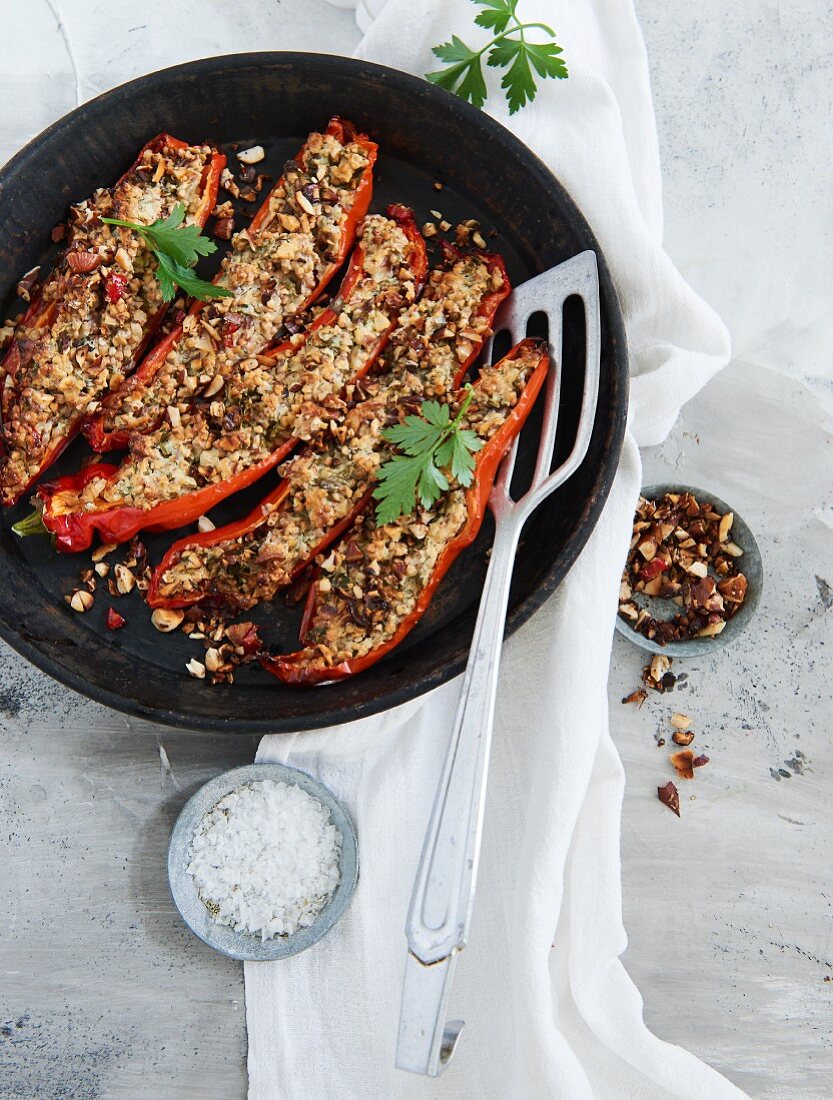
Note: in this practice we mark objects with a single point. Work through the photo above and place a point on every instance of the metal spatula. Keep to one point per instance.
(443, 894)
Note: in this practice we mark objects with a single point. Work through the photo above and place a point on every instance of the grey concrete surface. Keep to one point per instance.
(103, 993)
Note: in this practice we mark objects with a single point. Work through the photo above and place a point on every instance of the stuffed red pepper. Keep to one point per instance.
(87, 326)
(276, 267)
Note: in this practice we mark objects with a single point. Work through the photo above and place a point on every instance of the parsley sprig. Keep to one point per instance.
(508, 50)
(431, 444)
(177, 248)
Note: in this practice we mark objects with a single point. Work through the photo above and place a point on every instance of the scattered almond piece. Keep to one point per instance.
(103, 550)
(680, 721)
(711, 630)
(639, 696)
(669, 796)
(660, 664)
(125, 581)
(81, 601)
(167, 619)
(682, 737)
(196, 669)
(254, 155)
(683, 762)
(213, 659)
(658, 675)
(224, 228)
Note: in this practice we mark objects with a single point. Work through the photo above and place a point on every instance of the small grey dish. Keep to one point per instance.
(751, 566)
(192, 909)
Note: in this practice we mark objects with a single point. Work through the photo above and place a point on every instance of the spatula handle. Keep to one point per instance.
(443, 894)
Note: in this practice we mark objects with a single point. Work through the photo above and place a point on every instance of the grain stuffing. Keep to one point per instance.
(248, 423)
(95, 311)
(275, 267)
(374, 587)
(325, 485)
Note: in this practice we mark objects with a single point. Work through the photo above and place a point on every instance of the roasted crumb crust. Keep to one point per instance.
(273, 272)
(265, 402)
(327, 482)
(372, 583)
(84, 338)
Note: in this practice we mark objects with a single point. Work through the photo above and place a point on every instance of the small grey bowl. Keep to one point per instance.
(752, 568)
(192, 909)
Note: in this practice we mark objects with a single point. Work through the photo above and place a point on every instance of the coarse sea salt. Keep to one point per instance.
(265, 859)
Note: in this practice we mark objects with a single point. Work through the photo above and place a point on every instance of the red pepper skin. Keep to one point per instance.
(652, 569)
(257, 517)
(74, 531)
(115, 621)
(236, 530)
(231, 531)
(38, 317)
(244, 636)
(115, 286)
(98, 436)
(291, 669)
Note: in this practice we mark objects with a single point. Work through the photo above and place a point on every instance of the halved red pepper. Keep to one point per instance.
(232, 531)
(378, 408)
(73, 523)
(488, 306)
(44, 310)
(102, 430)
(309, 666)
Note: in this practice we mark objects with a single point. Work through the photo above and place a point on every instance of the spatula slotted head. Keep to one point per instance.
(545, 296)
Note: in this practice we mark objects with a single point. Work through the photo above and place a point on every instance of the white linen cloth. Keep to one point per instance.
(550, 1012)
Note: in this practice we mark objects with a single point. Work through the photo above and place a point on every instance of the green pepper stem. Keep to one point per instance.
(30, 525)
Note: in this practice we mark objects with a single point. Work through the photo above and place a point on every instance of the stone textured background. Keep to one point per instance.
(103, 993)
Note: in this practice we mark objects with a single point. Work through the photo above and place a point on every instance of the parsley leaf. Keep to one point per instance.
(518, 81)
(464, 74)
(545, 60)
(172, 275)
(430, 444)
(497, 14)
(177, 248)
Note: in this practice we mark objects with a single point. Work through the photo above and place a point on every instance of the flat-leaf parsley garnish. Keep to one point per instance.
(432, 445)
(508, 50)
(177, 247)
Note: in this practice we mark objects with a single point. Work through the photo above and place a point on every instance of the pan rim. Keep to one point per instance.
(62, 671)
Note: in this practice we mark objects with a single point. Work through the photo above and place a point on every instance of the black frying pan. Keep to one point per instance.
(425, 135)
